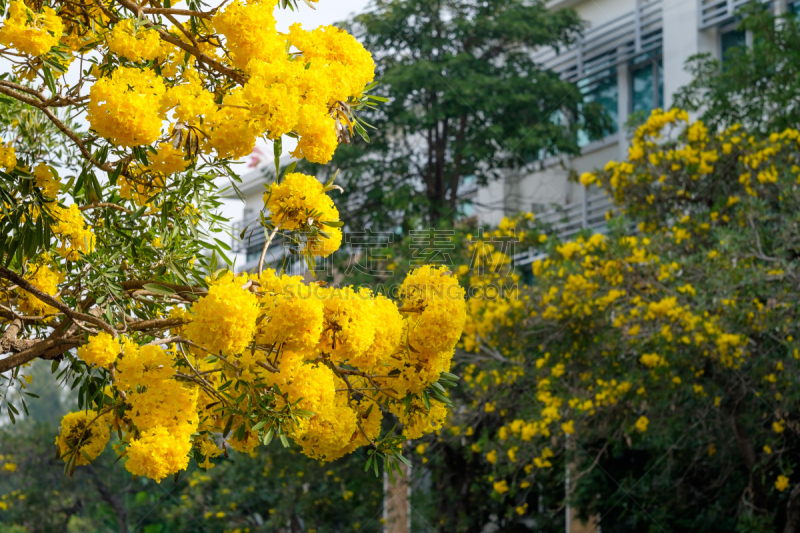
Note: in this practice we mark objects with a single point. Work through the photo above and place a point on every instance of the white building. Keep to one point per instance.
(630, 59)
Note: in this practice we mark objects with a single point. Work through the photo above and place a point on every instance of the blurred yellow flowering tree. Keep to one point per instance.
(115, 269)
(654, 366)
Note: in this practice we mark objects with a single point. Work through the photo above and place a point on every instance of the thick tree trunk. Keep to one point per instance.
(397, 508)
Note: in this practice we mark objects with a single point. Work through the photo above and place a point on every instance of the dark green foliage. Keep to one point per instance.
(759, 86)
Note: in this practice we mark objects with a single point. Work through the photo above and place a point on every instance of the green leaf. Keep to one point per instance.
(115, 175)
(158, 289)
(48, 79)
(228, 425)
(277, 148)
(361, 131)
(289, 169)
(369, 462)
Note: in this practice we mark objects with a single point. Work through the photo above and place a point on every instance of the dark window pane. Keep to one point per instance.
(730, 40)
(643, 93)
(601, 88)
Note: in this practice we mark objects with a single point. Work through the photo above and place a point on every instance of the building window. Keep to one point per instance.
(466, 209)
(254, 252)
(730, 40)
(647, 87)
(601, 88)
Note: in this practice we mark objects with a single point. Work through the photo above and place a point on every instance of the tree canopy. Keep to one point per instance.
(656, 364)
(755, 85)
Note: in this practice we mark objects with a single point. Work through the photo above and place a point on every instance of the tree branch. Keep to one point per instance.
(46, 298)
(46, 349)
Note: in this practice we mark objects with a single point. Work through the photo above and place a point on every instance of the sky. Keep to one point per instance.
(327, 12)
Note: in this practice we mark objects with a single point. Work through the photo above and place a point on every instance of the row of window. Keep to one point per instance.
(646, 89)
(646, 80)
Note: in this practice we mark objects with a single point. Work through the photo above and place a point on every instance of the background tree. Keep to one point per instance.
(757, 84)
(465, 99)
(658, 368)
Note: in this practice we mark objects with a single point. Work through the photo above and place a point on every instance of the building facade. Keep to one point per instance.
(630, 60)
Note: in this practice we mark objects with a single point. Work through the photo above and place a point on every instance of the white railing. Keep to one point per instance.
(713, 12)
(566, 221)
(609, 44)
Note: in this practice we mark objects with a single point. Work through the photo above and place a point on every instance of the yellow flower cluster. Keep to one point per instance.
(250, 31)
(30, 32)
(255, 355)
(46, 180)
(291, 316)
(126, 107)
(300, 203)
(41, 276)
(101, 350)
(435, 313)
(133, 42)
(163, 411)
(72, 231)
(620, 326)
(8, 158)
(83, 436)
(225, 320)
(286, 91)
(298, 92)
(168, 160)
(331, 359)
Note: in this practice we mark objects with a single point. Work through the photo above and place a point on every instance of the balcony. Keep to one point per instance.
(609, 44)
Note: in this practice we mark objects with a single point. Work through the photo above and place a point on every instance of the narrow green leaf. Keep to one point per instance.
(158, 289)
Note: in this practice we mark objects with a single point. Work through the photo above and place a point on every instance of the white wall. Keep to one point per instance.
(597, 12)
(490, 201)
(682, 39)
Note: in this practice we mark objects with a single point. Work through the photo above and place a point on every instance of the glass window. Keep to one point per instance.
(466, 209)
(601, 88)
(794, 7)
(730, 40)
(254, 252)
(647, 91)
